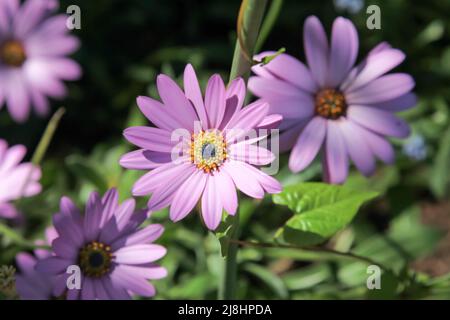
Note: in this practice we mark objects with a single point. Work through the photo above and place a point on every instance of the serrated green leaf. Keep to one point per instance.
(320, 210)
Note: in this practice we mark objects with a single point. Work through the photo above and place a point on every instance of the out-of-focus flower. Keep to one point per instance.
(415, 148)
(33, 62)
(116, 257)
(216, 158)
(16, 179)
(352, 6)
(334, 106)
(31, 284)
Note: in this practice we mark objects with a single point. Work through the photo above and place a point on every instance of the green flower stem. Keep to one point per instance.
(249, 22)
(340, 254)
(230, 272)
(47, 136)
(269, 21)
(43, 144)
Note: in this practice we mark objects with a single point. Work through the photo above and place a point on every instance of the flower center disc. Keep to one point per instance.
(330, 104)
(208, 150)
(95, 259)
(12, 53)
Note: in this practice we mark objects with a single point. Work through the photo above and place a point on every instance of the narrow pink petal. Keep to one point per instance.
(308, 144)
(336, 157)
(357, 147)
(92, 216)
(187, 196)
(251, 154)
(228, 192)
(385, 88)
(316, 49)
(150, 138)
(212, 203)
(140, 159)
(125, 279)
(215, 100)
(174, 99)
(146, 235)
(344, 50)
(52, 265)
(375, 65)
(157, 177)
(236, 88)
(379, 121)
(161, 116)
(139, 253)
(288, 68)
(380, 147)
(165, 193)
(194, 94)
(248, 184)
(401, 103)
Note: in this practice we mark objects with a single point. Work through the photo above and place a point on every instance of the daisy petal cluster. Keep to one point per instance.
(116, 257)
(33, 63)
(332, 106)
(217, 152)
(17, 179)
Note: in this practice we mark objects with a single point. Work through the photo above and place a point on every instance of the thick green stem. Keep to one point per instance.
(230, 271)
(249, 22)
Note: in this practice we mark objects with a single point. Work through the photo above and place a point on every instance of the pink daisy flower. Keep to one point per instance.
(31, 284)
(216, 156)
(346, 111)
(115, 256)
(33, 63)
(17, 179)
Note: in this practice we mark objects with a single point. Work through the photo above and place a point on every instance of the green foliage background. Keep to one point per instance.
(126, 43)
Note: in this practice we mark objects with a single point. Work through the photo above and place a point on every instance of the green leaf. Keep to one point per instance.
(406, 240)
(440, 173)
(84, 171)
(320, 210)
(270, 279)
(224, 233)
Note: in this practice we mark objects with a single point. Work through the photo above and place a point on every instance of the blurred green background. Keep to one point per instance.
(126, 43)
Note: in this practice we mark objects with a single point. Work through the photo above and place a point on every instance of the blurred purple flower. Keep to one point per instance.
(332, 105)
(33, 63)
(115, 256)
(215, 161)
(16, 179)
(415, 147)
(31, 284)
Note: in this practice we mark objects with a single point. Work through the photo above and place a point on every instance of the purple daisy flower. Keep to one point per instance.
(17, 179)
(31, 284)
(344, 110)
(115, 256)
(216, 156)
(33, 46)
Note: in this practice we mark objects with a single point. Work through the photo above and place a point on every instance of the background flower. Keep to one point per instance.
(334, 106)
(216, 158)
(33, 63)
(30, 283)
(17, 179)
(115, 255)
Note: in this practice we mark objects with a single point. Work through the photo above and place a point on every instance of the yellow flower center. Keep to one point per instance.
(330, 104)
(95, 259)
(12, 53)
(208, 150)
